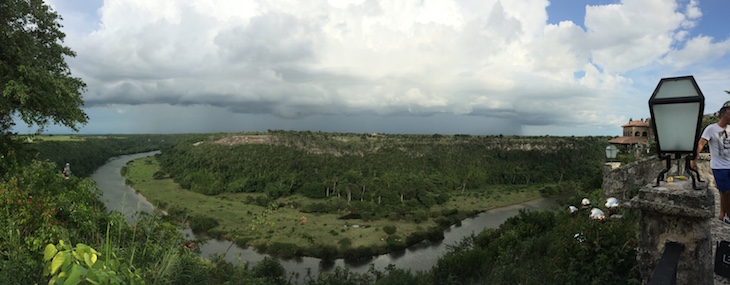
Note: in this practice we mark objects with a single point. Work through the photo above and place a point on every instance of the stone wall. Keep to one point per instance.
(675, 212)
(618, 182)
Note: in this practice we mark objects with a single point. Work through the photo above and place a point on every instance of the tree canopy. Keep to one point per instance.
(36, 84)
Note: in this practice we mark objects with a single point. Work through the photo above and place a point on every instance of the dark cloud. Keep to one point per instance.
(450, 65)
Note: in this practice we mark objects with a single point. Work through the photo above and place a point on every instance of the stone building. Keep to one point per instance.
(636, 135)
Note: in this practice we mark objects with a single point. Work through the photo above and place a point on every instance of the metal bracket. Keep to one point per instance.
(696, 172)
(660, 177)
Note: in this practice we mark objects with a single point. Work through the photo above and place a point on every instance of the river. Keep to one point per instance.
(122, 198)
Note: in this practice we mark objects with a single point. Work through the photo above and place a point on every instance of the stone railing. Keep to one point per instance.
(674, 213)
(671, 214)
(619, 180)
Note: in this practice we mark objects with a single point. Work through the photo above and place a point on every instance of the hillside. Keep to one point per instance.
(283, 163)
(419, 184)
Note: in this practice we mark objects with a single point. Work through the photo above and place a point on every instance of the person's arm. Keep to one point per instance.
(700, 145)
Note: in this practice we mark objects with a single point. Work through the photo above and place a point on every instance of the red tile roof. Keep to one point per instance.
(629, 140)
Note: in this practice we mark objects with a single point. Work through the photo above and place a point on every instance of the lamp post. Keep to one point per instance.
(611, 152)
(676, 108)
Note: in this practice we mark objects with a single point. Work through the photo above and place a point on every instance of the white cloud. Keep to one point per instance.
(693, 13)
(631, 34)
(496, 59)
(697, 50)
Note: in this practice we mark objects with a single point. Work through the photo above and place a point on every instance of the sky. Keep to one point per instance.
(483, 67)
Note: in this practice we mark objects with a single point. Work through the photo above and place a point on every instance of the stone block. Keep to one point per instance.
(676, 212)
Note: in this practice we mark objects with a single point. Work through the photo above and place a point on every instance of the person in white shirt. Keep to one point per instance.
(719, 144)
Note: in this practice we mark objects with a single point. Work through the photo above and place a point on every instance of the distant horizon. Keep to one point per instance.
(264, 132)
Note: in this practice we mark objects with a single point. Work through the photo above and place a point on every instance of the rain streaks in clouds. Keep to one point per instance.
(373, 65)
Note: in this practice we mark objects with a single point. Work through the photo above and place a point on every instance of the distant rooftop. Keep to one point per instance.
(637, 123)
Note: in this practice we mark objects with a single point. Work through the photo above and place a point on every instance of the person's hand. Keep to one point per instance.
(693, 164)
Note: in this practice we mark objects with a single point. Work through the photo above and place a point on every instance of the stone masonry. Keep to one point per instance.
(617, 181)
(675, 212)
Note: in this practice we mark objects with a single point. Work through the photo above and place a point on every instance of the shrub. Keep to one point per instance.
(283, 249)
(345, 242)
(416, 237)
(326, 252)
(159, 175)
(359, 253)
(313, 190)
(271, 271)
(544, 243)
(435, 234)
(443, 222)
(389, 229)
(200, 223)
(395, 243)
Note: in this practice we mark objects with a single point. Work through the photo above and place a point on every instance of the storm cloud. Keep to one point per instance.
(503, 61)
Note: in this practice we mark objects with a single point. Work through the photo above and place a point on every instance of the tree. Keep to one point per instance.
(35, 81)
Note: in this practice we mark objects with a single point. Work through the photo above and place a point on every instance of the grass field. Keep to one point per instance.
(284, 225)
(64, 138)
(58, 138)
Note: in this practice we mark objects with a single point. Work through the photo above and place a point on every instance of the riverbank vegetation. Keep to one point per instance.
(40, 209)
(547, 247)
(335, 192)
(85, 153)
(56, 229)
(323, 233)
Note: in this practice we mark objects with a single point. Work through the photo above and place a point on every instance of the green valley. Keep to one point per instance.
(334, 195)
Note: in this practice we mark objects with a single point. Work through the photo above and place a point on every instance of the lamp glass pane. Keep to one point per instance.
(676, 126)
(611, 151)
(676, 88)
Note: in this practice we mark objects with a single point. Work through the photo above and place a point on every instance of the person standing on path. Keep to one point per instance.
(719, 144)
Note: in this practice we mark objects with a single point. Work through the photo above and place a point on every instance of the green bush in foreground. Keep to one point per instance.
(545, 247)
(72, 265)
(42, 215)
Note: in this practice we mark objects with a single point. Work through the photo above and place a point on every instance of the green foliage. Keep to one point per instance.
(36, 85)
(91, 152)
(345, 242)
(547, 248)
(395, 243)
(199, 224)
(416, 237)
(72, 265)
(151, 251)
(435, 234)
(706, 121)
(283, 249)
(389, 229)
(391, 176)
(270, 270)
(35, 81)
(157, 175)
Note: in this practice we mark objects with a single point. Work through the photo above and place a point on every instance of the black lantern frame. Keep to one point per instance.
(659, 100)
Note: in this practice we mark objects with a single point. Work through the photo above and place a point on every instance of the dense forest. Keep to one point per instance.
(85, 153)
(377, 169)
(421, 182)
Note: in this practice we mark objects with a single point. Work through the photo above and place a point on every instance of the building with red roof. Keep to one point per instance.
(636, 134)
